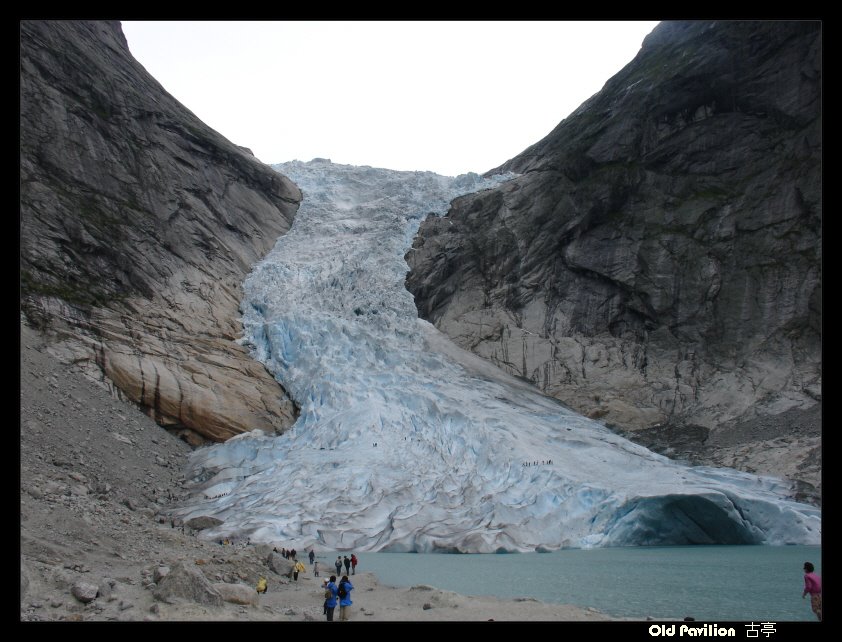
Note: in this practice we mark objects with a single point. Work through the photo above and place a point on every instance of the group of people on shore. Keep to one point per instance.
(350, 564)
(335, 593)
(340, 593)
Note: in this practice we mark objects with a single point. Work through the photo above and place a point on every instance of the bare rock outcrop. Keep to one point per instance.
(138, 226)
(657, 265)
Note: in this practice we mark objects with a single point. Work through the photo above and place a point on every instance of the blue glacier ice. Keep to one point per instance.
(406, 442)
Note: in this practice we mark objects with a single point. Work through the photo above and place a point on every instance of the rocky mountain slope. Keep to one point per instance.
(138, 225)
(658, 263)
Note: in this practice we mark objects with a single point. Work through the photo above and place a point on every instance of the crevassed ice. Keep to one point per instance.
(406, 442)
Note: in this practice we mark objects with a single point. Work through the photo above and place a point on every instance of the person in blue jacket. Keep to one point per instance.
(345, 601)
(330, 602)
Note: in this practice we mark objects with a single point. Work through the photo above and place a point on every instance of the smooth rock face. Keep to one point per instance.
(657, 265)
(138, 225)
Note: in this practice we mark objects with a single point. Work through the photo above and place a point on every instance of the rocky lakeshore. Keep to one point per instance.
(97, 480)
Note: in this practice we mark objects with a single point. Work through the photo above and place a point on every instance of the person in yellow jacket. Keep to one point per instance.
(298, 568)
(261, 585)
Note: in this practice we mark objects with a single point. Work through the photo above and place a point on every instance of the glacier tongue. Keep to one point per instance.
(405, 442)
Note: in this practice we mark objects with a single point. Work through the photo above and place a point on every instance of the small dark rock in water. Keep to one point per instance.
(427, 606)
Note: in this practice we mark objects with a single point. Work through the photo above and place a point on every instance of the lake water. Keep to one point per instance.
(709, 583)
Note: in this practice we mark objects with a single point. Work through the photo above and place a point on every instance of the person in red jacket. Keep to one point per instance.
(813, 586)
(353, 564)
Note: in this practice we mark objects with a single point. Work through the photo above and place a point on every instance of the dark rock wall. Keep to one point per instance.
(658, 262)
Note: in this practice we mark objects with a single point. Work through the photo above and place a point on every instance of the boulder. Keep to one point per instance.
(280, 565)
(187, 583)
(202, 522)
(237, 593)
(84, 591)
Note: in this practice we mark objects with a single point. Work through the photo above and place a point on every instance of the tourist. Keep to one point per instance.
(330, 598)
(298, 568)
(813, 586)
(353, 564)
(344, 600)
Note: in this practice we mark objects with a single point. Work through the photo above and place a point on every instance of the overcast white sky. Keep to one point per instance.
(449, 97)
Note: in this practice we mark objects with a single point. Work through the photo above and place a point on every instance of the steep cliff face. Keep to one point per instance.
(658, 262)
(138, 226)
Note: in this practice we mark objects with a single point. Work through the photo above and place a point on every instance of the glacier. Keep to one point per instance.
(405, 442)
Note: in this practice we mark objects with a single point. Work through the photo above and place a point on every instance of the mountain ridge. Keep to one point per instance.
(657, 265)
(138, 225)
